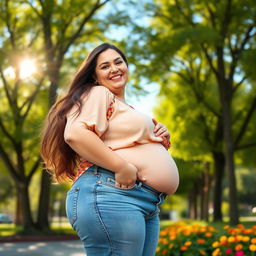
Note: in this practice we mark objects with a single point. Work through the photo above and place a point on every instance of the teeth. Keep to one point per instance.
(115, 77)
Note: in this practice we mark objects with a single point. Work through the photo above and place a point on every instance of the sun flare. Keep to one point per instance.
(27, 68)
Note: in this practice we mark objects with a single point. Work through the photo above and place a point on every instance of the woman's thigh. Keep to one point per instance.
(106, 222)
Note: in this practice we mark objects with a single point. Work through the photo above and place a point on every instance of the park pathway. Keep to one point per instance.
(57, 248)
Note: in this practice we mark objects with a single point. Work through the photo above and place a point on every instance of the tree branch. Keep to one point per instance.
(34, 9)
(86, 19)
(6, 133)
(34, 168)
(209, 59)
(245, 123)
(237, 53)
(183, 14)
(236, 86)
(249, 145)
(31, 99)
(9, 164)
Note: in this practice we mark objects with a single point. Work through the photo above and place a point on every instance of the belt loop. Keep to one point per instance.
(139, 184)
(95, 169)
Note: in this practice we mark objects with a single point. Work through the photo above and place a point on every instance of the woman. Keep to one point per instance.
(116, 155)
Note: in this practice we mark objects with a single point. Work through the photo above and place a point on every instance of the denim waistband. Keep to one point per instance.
(97, 169)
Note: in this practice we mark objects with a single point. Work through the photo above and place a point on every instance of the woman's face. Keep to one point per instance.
(112, 71)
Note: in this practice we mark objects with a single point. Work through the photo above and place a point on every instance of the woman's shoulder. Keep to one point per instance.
(97, 93)
(100, 89)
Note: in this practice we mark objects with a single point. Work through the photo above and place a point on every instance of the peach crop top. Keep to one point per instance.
(117, 124)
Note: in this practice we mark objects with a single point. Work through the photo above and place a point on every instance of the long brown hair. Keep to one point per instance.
(57, 155)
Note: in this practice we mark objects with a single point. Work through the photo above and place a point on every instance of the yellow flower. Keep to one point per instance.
(202, 252)
(187, 243)
(239, 238)
(238, 247)
(231, 239)
(252, 248)
(253, 241)
(215, 244)
(223, 238)
(171, 246)
(246, 238)
(157, 249)
(216, 252)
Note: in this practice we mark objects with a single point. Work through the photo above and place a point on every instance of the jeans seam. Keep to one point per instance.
(100, 219)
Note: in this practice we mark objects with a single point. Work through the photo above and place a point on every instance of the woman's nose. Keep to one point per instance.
(113, 69)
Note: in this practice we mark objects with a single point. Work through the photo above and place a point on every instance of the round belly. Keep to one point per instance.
(155, 164)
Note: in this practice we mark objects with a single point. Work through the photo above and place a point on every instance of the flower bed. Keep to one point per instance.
(192, 240)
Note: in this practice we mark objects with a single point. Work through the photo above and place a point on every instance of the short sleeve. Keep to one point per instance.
(94, 110)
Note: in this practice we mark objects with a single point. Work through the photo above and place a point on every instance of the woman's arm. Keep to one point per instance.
(90, 147)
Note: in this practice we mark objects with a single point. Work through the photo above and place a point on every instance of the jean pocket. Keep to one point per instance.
(71, 205)
(111, 183)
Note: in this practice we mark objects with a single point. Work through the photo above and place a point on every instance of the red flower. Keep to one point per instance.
(229, 250)
(239, 253)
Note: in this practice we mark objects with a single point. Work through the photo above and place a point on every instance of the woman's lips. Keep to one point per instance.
(116, 78)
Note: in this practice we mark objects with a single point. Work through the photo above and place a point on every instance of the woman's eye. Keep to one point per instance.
(119, 62)
(104, 67)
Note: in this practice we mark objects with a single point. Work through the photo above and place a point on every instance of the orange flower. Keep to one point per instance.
(208, 234)
(238, 247)
(200, 241)
(163, 233)
(164, 252)
(183, 248)
(253, 241)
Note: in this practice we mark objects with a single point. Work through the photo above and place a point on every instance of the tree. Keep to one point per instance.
(61, 25)
(221, 32)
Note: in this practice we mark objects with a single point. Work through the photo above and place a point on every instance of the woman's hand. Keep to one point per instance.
(160, 130)
(126, 176)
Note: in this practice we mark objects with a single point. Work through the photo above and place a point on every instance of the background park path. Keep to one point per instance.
(56, 248)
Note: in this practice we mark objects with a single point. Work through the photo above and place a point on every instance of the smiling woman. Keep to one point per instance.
(116, 155)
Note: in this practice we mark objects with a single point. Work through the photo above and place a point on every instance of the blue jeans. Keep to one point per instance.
(113, 221)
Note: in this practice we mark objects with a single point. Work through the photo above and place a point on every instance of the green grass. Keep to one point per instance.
(63, 228)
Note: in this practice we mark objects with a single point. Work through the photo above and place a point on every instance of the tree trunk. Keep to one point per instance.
(44, 201)
(229, 156)
(23, 194)
(219, 168)
(44, 198)
(192, 203)
(205, 188)
(18, 215)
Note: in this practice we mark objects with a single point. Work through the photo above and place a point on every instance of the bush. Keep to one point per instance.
(181, 239)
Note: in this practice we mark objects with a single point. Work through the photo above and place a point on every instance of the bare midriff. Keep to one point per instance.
(155, 164)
